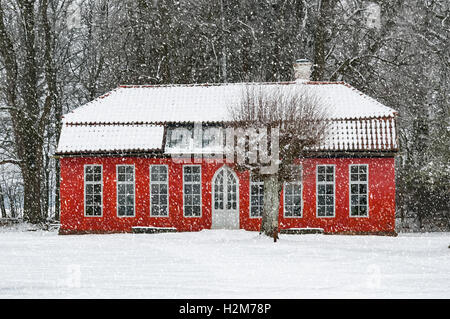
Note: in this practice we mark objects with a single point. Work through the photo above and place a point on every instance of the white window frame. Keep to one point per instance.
(193, 183)
(296, 182)
(325, 183)
(93, 183)
(250, 197)
(350, 190)
(125, 182)
(159, 183)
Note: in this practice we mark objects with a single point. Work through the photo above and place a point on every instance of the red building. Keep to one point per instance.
(121, 168)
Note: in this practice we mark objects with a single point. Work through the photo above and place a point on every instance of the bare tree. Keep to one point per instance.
(296, 122)
(29, 91)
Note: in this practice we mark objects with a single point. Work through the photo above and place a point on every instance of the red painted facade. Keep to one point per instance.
(381, 183)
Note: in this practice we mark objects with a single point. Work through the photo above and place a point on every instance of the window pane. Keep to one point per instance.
(288, 189)
(130, 200)
(130, 211)
(130, 188)
(196, 188)
(363, 200)
(196, 178)
(362, 189)
(363, 210)
(288, 211)
(97, 211)
(321, 200)
(196, 210)
(321, 189)
(321, 211)
(329, 210)
(329, 189)
(163, 189)
(154, 188)
(154, 200)
(97, 189)
(289, 200)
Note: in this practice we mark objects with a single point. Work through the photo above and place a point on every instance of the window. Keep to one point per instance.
(256, 197)
(359, 191)
(125, 190)
(159, 191)
(93, 181)
(179, 137)
(325, 191)
(293, 195)
(212, 137)
(192, 189)
(194, 138)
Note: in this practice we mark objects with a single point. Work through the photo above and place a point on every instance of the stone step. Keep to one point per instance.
(152, 230)
(301, 231)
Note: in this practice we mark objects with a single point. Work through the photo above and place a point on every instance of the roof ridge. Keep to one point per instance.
(164, 123)
(206, 84)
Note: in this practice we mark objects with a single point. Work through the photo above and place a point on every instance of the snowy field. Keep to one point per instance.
(223, 264)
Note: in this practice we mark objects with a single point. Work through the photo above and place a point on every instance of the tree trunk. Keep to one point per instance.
(2, 203)
(323, 20)
(32, 210)
(12, 205)
(272, 192)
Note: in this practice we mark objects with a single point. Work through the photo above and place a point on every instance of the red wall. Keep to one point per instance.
(381, 197)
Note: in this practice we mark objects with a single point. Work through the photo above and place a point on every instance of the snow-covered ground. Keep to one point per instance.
(223, 264)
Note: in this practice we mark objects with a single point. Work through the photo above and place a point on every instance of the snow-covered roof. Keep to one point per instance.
(211, 102)
(122, 119)
(107, 138)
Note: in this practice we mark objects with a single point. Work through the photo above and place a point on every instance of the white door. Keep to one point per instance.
(225, 199)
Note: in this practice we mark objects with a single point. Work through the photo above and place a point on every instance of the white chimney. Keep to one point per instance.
(302, 70)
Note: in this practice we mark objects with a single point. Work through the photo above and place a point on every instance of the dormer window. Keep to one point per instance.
(195, 139)
(179, 137)
(212, 136)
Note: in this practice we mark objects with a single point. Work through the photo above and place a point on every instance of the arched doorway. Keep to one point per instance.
(225, 199)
